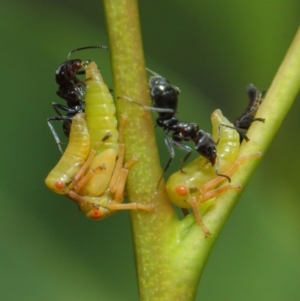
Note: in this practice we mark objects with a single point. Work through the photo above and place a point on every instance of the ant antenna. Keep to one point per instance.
(87, 47)
(219, 174)
(160, 110)
(152, 72)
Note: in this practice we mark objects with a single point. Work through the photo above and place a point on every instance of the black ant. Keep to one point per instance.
(243, 123)
(71, 90)
(164, 97)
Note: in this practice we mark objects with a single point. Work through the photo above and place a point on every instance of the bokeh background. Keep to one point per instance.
(211, 50)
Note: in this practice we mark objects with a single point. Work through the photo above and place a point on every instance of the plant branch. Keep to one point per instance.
(150, 230)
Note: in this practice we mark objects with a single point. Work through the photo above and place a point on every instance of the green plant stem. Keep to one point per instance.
(171, 254)
(150, 230)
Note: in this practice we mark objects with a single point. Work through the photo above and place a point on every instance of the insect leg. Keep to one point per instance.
(170, 148)
(204, 196)
(185, 148)
(80, 179)
(114, 206)
(119, 176)
(213, 183)
(57, 106)
(117, 184)
(60, 117)
(121, 127)
(154, 109)
(242, 131)
(195, 206)
(53, 131)
(113, 184)
(219, 174)
(185, 211)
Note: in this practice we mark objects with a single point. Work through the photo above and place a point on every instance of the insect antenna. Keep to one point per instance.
(153, 73)
(87, 47)
(154, 109)
(219, 174)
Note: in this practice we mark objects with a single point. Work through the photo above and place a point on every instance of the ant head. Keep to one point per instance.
(157, 80)
(67, 71)
(161, 87)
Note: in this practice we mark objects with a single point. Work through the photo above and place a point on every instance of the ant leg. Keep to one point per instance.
(53, 131)
(258, 119)
(56, 138)
(165, 169)
(170, 148)
(241, 131)
(219, 174)
(185, 211)
(57, 106)
(184, 148)
(60, 117)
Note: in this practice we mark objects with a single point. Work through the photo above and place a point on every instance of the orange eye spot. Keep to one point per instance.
(182, 190)
(96, 213)
(59, 185)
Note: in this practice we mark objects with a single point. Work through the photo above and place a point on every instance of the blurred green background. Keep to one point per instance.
(211, 50)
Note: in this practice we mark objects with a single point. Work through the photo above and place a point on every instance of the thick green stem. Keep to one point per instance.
(150, 229)
(171, 254)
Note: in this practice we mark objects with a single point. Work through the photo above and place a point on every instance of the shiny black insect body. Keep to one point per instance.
(71, 89)
(243, 123)
(164, 97)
